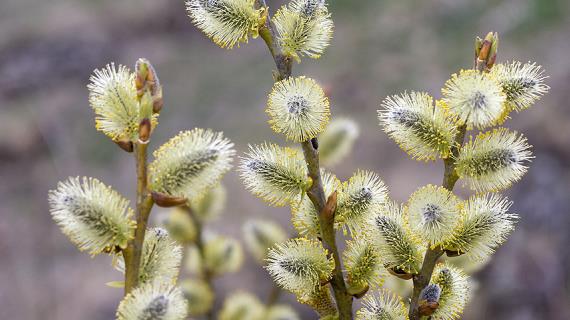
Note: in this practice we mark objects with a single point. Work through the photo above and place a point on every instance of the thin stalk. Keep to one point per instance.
(205, 274)
(132, 254)
(316, 193)
(421, 280)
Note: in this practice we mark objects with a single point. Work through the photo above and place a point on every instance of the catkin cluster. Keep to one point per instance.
(385, 239)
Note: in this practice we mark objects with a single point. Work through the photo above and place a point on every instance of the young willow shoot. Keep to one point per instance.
(99, 220)
(404, 240)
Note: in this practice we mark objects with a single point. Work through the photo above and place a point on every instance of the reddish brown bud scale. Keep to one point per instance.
(166, 201)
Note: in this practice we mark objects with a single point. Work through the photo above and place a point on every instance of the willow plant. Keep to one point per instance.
(386, 239)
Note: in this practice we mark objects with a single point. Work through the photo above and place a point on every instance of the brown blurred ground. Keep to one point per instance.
(49, 48)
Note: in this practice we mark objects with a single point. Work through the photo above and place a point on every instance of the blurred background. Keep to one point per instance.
(48, 50)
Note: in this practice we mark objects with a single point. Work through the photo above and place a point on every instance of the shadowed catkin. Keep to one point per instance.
(484, 226)
(397, 246)
(156, 301)
(226, 22)
(242, 306)
(209, 205)
(276, 174)
(494, 160)
(304, 28)
(303, 213)
(298, 108)
(475, 97)
(455, 292)
(523, 84)
(221, 255)
(336, 142)
(161, 258)
(424, 130)
(281, 312)
(382, 305)
(94, 217)
(364, 266)
(260, 236)
(190, 163)
(433, 213)
(199, 296)
(361, 197)
(113, 97)
(180, 226)
(299, 265)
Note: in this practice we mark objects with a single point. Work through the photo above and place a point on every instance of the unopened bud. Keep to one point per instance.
(125, 145)
(429, 299)
(166, 201)
(144, 130)
(397, 272)
(486, 51)
(330, 207)
(147, 81)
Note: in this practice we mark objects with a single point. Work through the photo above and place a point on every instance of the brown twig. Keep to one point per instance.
(132, 254)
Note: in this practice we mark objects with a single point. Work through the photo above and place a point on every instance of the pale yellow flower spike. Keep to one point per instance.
(95, 217)
(304, 27)
(155, 300)
(424, 130)
(433, 213)
(298, 108)
(382, 305)
(494, 160)
(226, 22)
(113, 97)
(300, 265)
(523, 84)
(476, 98)
(190, 163)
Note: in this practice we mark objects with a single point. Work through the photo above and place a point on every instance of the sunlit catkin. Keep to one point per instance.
(226, 22)
(455, 291)
(304, 28)
(94, 217)
(180, 226)
(113, 97)
(361, 197)
(424, 130)
(382, 305)
(364, 265)
(298, 108)
(523, 84)
(494, 160)
(153, 300)
(190, 163)
(299, 265)
(397, 246)
(433, 213)
(476, 98)
(276, 174)
(161, 258)
(484, 226)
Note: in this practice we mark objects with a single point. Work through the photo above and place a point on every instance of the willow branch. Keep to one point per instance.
(315, 193)
(132, 254)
